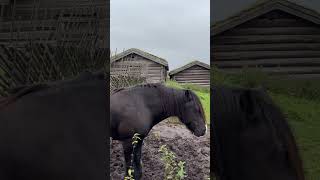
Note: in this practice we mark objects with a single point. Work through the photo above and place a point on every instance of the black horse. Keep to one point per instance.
(55, 130)
(251, 138)
(139, 108)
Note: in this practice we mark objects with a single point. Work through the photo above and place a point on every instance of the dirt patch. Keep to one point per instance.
(195, 151)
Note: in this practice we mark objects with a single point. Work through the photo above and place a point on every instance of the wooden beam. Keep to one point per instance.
(281, 22)
(266, 47)
(266, 39)
(281, 70)
(287, 30)
(270, 62)
(246, 55)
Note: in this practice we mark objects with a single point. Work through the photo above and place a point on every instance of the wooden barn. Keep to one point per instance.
(53, 22)
(195, 72)
(153, 68)
(278, 36)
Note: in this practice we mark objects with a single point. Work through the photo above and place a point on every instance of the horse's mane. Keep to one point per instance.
(283, 131)
(20, 91)
(147, 85)
(258, 104)
(196, 99)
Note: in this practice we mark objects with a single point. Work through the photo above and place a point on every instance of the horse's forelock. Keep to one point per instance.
(197, 101)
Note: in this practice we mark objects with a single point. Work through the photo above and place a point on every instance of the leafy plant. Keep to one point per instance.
(173, 170)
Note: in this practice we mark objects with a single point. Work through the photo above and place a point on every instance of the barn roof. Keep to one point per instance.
(193, 63)
(144, 54)
(262, 7)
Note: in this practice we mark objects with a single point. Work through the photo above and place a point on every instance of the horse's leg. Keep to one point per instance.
(128, 150)
(137, 160)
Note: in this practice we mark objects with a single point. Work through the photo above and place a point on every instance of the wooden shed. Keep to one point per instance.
(195, 72)
(53, 21)
(278, 36)
(154, 68)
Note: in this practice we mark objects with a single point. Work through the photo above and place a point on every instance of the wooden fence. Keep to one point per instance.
(127, 74)
(64, 22)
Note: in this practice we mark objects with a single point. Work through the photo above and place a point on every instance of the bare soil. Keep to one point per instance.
(195, 151)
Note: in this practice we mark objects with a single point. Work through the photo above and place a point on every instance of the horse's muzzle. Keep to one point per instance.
(200, 132)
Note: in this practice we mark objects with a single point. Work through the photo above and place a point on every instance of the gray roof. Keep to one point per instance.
(139, 52)
(193, 63)
(262, 7)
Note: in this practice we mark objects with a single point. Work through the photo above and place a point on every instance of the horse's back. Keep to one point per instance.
(56, 132)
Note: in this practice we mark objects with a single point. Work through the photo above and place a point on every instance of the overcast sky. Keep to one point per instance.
(178, 31)
(221, 9)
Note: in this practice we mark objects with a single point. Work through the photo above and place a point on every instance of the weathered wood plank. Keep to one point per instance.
(274, 31)
(243, 55)
(195, 68)
(266, 47)
(282, 70)
(270, 62)
(266, 39)
(154, 68)
(194, 81)
(283, 22)
(21, 43)
(191, 79)
(192, 75)
(51, 22)
(194, 71)
(26, 35)
(207, 82)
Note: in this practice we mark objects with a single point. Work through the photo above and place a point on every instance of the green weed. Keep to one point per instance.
(173, 170)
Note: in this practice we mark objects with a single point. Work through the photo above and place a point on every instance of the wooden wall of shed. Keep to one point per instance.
(195, 75)
(53, 21)
(155, 72)
(278, 42)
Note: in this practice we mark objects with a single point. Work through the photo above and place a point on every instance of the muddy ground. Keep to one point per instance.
(195, 151)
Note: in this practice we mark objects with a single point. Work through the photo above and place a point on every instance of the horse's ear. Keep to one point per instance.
(187, 93)
(246, 103)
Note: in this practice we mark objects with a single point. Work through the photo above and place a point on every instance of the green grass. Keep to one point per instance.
(303, 116)
(299, 101)
(202, 92)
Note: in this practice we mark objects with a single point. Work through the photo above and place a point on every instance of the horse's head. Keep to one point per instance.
(192, 114)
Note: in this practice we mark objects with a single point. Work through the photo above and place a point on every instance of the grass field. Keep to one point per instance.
(300, 102)
(202, 92)
(303, 116)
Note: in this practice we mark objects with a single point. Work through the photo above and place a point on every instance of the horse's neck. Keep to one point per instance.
(169, 102)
